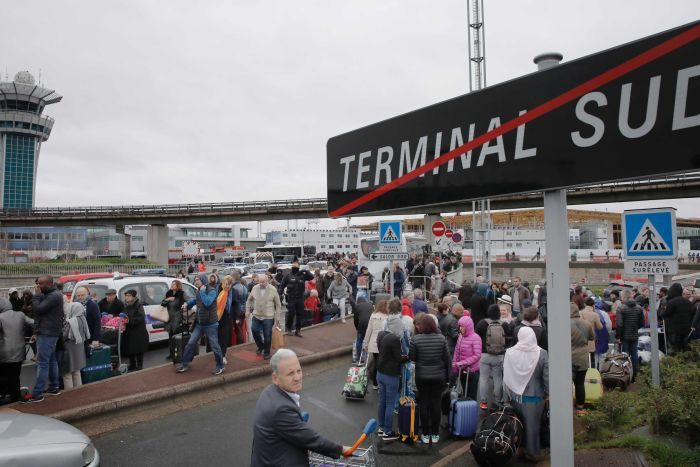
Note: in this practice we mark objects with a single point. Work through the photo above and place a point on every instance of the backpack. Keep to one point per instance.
(498, 438)
(495, 338)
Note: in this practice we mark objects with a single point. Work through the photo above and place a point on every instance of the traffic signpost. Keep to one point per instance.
(650, 246)
(390, 243)
(439, 228)
(554, 125)
(390, 256)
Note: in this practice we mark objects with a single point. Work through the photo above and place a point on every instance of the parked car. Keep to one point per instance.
(150, 291)
(70, 280)
(617, 286)
(31, 440)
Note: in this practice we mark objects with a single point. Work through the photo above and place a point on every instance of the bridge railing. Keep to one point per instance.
(165, 209)
(63, 269)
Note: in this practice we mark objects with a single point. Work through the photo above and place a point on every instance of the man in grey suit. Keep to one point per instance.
(280, 435)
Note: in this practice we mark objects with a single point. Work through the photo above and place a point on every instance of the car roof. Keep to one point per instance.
(120, 282)
(84, 276)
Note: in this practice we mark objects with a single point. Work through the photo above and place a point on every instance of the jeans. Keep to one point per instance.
(341, 304)
(491, 367)
(358, 344)
(264, 327)
(630, 348)
(388, 394)
(362, 293)
(46, 364)
(211, 331)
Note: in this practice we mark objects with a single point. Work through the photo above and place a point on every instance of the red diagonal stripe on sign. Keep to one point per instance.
(558, 101)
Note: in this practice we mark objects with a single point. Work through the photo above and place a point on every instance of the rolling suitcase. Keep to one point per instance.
(98, 365)
(616, 370)
(356, 380)
(409, 419)
(177, 347)
(463, 418)
(593, 385)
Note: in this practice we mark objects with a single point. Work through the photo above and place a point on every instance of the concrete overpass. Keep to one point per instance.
(671, 187)
(158, 216)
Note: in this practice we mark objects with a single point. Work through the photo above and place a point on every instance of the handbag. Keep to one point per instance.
(160, 313)
(277, 338)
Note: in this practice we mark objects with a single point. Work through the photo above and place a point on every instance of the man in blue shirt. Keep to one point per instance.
(207, 322)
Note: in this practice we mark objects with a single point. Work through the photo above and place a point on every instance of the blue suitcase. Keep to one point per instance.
(463, 419)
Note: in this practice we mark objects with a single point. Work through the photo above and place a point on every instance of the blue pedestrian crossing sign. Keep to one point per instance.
(649, 234)
(389, 233)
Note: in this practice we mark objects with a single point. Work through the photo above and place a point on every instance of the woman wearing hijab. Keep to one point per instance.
(526, 384)
(135, 337)
(75, 333)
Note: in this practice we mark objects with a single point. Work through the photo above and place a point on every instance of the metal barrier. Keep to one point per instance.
(63, 269)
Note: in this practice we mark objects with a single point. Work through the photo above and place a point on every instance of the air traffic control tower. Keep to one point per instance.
(22, 130)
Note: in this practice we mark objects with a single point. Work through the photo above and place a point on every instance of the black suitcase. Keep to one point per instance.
(177, 347)
(329, 311)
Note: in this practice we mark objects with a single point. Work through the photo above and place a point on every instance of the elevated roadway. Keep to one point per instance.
(669, 187)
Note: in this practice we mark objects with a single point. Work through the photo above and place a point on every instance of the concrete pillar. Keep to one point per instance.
(428, 221)
(126, 252)
(157, 244)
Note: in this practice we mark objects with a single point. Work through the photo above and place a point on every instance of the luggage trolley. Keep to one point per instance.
(112, 336)
(357, 457)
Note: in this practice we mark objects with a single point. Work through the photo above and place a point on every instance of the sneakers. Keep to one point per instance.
(31, 399)
(380, 433)
(217, 371)
(53, 392)
(435, 439)
(425, 439)
(181, 368)
(258, 351)
(483, 406)
(266, 356)
(391, 436)
(375, 387)
(225, 361)
(298, 334)
(342, 320)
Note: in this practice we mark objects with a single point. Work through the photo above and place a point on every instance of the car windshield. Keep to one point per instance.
(69, 286)
(261, 265)
(96, 291)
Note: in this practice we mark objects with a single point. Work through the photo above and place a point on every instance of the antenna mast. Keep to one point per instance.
(481, 210)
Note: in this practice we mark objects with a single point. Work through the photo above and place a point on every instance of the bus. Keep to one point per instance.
(285, 254)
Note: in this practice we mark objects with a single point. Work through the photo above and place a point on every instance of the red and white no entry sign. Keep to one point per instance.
(449, 233)
(439, 228)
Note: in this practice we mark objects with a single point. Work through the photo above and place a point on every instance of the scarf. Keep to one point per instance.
(78, 328)
(520, 362)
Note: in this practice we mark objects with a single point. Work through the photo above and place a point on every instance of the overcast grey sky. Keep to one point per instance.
(184, 102)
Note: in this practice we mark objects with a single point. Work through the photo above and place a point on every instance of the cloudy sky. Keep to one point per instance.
(185, 102)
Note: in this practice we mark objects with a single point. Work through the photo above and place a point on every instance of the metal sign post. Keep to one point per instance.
(650, 245)
(654, 326)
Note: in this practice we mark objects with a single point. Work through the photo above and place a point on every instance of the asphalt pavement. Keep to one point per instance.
(220, 434)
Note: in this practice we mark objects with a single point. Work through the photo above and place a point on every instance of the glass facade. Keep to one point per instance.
(18, 182)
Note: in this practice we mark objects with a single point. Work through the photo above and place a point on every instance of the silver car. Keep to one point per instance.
(31, 440)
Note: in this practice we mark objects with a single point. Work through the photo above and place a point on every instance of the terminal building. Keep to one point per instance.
(23, 127)
(326, 241)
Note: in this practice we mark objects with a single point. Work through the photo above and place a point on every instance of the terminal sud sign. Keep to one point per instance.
(629, 112)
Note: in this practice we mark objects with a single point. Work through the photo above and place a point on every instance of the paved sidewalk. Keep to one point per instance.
(318, 342)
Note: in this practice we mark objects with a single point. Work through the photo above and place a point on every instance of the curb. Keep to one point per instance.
(101, 408)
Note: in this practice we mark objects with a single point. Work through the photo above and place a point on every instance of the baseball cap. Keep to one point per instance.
(110, 291)
(13, 290)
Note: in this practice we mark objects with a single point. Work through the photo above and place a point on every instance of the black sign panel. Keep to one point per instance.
(629, 112)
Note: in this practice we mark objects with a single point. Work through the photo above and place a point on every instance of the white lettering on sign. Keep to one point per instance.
(357, 177)
(680, 120)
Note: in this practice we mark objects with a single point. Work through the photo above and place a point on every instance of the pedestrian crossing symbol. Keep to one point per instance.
(649, 234)
(390, 233)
